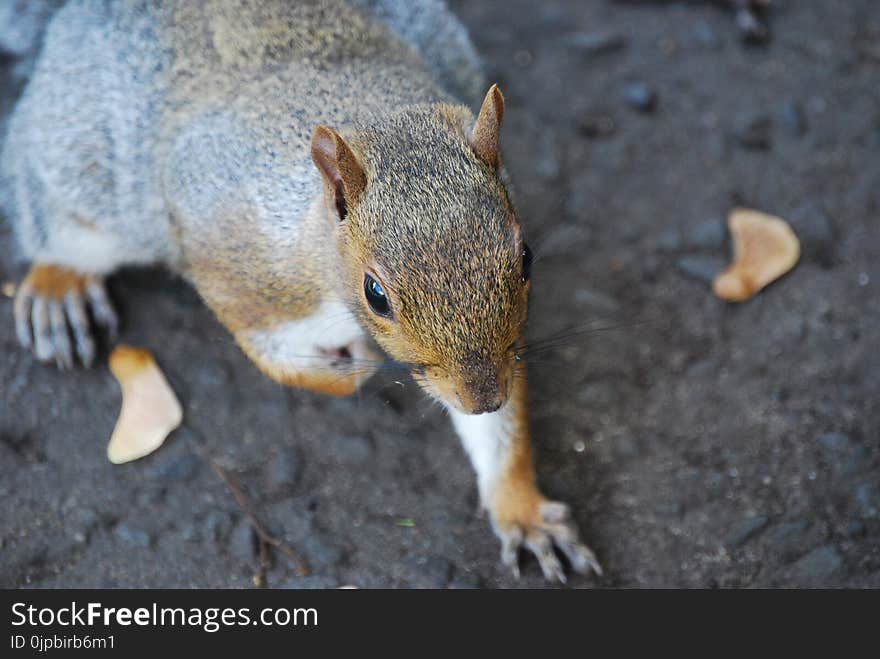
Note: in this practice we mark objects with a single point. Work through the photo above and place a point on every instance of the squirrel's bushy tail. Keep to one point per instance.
(432, 30)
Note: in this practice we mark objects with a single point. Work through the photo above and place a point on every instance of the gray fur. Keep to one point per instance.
(140, 115)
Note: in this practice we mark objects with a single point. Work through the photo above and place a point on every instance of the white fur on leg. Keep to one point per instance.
(487, 439)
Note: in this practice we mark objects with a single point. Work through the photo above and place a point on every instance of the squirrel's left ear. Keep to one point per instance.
(484, 137)
(339, 168)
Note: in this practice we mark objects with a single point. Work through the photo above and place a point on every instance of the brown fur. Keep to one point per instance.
(54, 282)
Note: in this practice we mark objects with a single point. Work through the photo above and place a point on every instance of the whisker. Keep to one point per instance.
(563, 337)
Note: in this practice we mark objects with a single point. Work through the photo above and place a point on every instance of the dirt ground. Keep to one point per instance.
(700, 444)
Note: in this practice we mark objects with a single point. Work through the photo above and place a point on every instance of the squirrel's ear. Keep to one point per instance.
(339, 168)
(484, 138)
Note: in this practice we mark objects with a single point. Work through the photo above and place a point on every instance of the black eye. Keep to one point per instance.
(376, 297)
(526, 263)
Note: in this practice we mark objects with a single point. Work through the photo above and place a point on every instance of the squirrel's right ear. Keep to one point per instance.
(485, 135)
(339, 168)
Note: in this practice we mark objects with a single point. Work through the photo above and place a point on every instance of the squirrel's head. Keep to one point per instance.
(432, 253)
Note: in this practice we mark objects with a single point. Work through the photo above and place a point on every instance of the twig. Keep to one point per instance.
(264, 536)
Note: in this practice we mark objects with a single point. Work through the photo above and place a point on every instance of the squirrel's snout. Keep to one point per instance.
(492, 405)
(484, 396)
(480, 390)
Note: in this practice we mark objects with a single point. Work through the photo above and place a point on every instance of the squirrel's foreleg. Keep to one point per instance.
(500, 451)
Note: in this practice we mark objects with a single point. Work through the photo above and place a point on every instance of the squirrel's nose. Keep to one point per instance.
(486, 406)
(484, 402)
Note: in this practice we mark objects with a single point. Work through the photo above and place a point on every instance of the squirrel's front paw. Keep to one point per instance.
(539, 526)
(52, 299)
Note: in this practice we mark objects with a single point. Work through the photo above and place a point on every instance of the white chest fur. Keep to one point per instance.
(304, 344)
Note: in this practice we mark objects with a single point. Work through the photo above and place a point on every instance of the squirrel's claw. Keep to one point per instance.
(60, 336)
(51, 305)
(555, 530)
(102, 308)
(79, 324)
(22, 312)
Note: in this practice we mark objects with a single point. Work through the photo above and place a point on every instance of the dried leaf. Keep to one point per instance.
(764, 249)
(150, 410)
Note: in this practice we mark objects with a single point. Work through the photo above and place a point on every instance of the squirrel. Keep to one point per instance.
(309, 168)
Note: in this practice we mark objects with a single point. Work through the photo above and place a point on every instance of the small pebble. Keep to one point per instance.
(321, 552)
(668, 508)
(212, 374)
(243, 541)
(596, 43)
(596, 125)
(284, 469)
(753, 131)
(81, 522)
(752, 30)
(855, 529)
(596, 300)
(627, 446)
(843, 453)
(640, 97)
(131, 535)
(216, 526)
(177, 469)
(700, 268)
(747, 530)
(705, 35)
(867, 496)
(817, 566)
(708, 234)
(548, 165)
(353, 449)
(669, 240)
(816, 231)
(794, 119)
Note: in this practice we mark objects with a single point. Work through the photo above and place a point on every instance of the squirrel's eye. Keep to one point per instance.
(376, 297)
(526, 263)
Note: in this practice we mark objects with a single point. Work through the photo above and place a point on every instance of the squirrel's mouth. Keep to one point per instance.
(337, 357)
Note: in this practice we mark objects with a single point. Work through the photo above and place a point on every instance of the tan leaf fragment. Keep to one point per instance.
(764, 249)
(150, 410)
